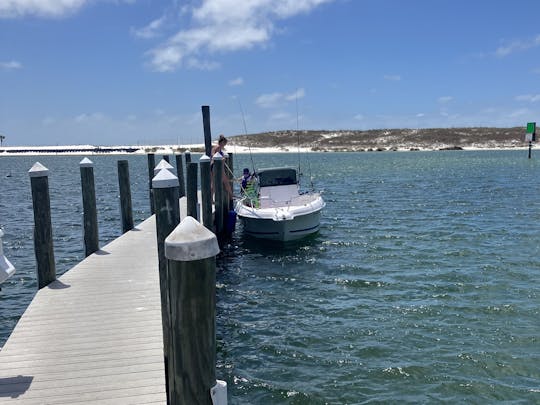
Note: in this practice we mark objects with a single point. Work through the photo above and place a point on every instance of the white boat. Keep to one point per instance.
(278, 211)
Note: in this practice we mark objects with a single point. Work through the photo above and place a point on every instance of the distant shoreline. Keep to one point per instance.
(75, 150)
(294, 141)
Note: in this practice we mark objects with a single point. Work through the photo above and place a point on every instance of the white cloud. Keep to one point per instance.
(420, 115)
(273, 100)
(519, 113)
(269, 100)
(218, 26)
(298, 94)
(445, 99)
(236, 82)
(359, 117)
(152, 30)
(11, 65)
(40, 8)
(532, 98)
(516, 46)
(194, 63)
(394, 78)
(45, 8)
(81, 118)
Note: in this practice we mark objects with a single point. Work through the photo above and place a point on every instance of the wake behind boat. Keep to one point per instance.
(275, 209)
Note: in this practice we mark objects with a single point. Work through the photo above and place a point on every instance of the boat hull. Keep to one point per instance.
(283, 230)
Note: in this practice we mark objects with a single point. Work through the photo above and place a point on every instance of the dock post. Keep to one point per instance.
(151, 165)
(219, 192)
(206, 193)
(180, 175)
(206, 128)
(91, 236)
(230, 176)
(43, 240)
(166, 158)
(125, 196)
(187, 157)
(165, 186)
(191, 251)
(192, 190)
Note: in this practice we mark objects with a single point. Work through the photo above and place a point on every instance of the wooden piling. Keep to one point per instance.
(180, 175)
(207, 132)
(151, 165)
(190, 252)
(187, 157)
(230, 176)
(43, 240)
(126, 209)
(165, 186)
(218, 193)
(191, 192)
(166, 158)
(91, 235)
(206, 192)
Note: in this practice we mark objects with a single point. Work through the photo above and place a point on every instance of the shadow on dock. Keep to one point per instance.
(15, 386)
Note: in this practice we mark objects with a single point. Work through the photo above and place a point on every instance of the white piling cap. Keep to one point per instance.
(217, 156)
(86, 163)
(190, 241)
(187, 151)
(204, 158)
(163, 164)
(218, 393)
(38, 170)
(164, 179)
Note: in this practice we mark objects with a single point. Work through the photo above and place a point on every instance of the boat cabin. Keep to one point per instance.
(277, 186)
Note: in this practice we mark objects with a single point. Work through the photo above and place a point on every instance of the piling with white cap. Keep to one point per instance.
(151, 164)
(206, 192)
(180, 175)
(91, 237)
(126, 209)
(43, 238)
(165, 188)
(191, 190)
(217, 174)
(163, 164)
(190, 250)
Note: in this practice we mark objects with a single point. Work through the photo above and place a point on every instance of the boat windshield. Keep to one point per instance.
(282, 176)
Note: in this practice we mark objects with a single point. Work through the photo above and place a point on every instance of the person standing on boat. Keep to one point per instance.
(246, 178)
(220, 148)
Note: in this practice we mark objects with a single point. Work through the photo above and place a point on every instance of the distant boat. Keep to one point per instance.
(278, 211)
(8, 175)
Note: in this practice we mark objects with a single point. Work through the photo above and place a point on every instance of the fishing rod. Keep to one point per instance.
(298, 141)
(245, 133)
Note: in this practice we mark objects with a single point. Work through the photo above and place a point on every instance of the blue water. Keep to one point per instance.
(421, 285)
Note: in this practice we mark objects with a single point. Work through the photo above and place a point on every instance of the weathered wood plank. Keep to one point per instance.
(94, 335)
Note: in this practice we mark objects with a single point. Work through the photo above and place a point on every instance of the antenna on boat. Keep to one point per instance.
(245, 133)
(298, 141)
(297, 131)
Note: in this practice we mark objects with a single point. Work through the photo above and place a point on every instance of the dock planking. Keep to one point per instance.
(94, 335)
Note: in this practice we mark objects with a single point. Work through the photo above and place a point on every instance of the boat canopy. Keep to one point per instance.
(277, 176)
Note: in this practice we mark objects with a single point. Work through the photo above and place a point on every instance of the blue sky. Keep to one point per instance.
(107, 72)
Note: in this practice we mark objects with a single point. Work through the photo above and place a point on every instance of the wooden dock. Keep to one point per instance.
(94, 336)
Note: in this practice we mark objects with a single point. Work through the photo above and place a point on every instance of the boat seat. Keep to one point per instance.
(273, 196)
